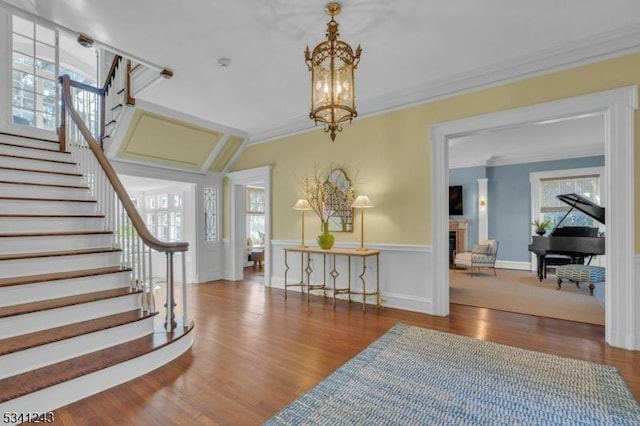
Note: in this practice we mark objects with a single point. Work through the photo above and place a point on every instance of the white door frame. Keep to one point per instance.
(617, 109)
(237, 250)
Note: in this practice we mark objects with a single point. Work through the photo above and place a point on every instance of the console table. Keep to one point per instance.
(306, 252)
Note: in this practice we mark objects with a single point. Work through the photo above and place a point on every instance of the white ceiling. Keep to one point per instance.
(413, 50)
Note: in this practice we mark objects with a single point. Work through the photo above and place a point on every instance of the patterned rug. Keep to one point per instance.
(417, 376)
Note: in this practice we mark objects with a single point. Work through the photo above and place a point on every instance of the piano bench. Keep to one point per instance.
(580, 273)
(554, 260)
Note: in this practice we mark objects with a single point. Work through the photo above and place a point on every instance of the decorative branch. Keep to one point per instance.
(326, 198)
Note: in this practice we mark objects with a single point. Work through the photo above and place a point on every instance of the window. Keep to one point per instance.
(210, 201)
(255, 216)
(552, 209)
(39, 55)
(34, 86)
(163, 220)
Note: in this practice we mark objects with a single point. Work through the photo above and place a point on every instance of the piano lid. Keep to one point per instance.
(584, 205)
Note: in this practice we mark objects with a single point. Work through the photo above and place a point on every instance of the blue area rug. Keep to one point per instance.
(415, 376)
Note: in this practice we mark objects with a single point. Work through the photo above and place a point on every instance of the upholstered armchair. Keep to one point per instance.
(483, 255)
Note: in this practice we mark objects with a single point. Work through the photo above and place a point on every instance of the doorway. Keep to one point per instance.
(238, 183)
(499, 173)
(616, 107)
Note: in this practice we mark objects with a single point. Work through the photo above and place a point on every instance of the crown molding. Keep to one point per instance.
(494, 161)
(588, 50)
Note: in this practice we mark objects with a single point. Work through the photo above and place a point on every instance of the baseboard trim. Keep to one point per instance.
(510, 264)
(387, 300)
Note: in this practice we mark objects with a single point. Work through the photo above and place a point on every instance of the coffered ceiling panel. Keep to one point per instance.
(155, 138)
(226, 153)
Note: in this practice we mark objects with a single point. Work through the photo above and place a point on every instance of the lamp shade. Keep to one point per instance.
(302, 205)
(362, 202)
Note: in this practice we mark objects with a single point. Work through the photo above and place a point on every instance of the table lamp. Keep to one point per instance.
(302, 205)
(362, 202)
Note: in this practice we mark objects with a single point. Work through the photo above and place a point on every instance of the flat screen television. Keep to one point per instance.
(455, 200)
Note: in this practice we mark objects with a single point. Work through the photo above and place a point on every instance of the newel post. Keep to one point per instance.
(170, 322)
(62, 134)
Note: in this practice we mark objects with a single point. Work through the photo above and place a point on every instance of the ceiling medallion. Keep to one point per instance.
(332, 64)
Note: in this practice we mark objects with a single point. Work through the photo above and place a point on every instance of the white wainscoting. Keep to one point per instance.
(405, 277)
(212, 264)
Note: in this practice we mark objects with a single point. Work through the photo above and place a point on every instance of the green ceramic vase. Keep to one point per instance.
(326, 239)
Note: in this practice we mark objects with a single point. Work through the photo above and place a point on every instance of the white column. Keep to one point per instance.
(483, 221)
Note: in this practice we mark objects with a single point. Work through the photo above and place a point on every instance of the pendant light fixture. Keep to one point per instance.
(332, 64)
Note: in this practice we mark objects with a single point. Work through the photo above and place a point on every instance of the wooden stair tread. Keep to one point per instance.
(24, 157)
(16, 256)
(29, 137)
(44, 305)
(37, 216)
(69, 200)
(12, 182)
(56, 334)
(37, 148)
(55, 276)
(51, 172)
(32, 381)
(55, 234)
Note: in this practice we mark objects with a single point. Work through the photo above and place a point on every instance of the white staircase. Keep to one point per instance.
(70, 323)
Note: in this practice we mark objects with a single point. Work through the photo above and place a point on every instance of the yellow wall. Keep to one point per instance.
(392, 152)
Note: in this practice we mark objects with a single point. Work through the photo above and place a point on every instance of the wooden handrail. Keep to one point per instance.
(141, 228)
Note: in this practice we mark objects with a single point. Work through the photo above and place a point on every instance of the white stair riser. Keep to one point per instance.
(41, 356)
(25, 293)
(53, 192)
(43, 265)
(9, 175)
(51, 243)
(28, 323)
(9, 206)
(73, 390)
(25, 163)
(34, 153)
(53, 224)
(34, 143)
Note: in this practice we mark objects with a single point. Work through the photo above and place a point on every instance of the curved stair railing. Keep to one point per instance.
(130, 234)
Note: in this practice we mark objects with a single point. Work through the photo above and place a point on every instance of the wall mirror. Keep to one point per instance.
(338, 198)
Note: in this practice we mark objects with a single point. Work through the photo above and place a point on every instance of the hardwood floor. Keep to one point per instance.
(254, 353)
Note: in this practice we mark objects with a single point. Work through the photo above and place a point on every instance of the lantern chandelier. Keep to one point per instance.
(332, 64)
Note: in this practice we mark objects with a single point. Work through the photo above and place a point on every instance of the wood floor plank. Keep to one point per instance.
(254, 353)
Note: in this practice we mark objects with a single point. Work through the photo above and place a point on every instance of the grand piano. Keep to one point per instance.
(573, 243)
